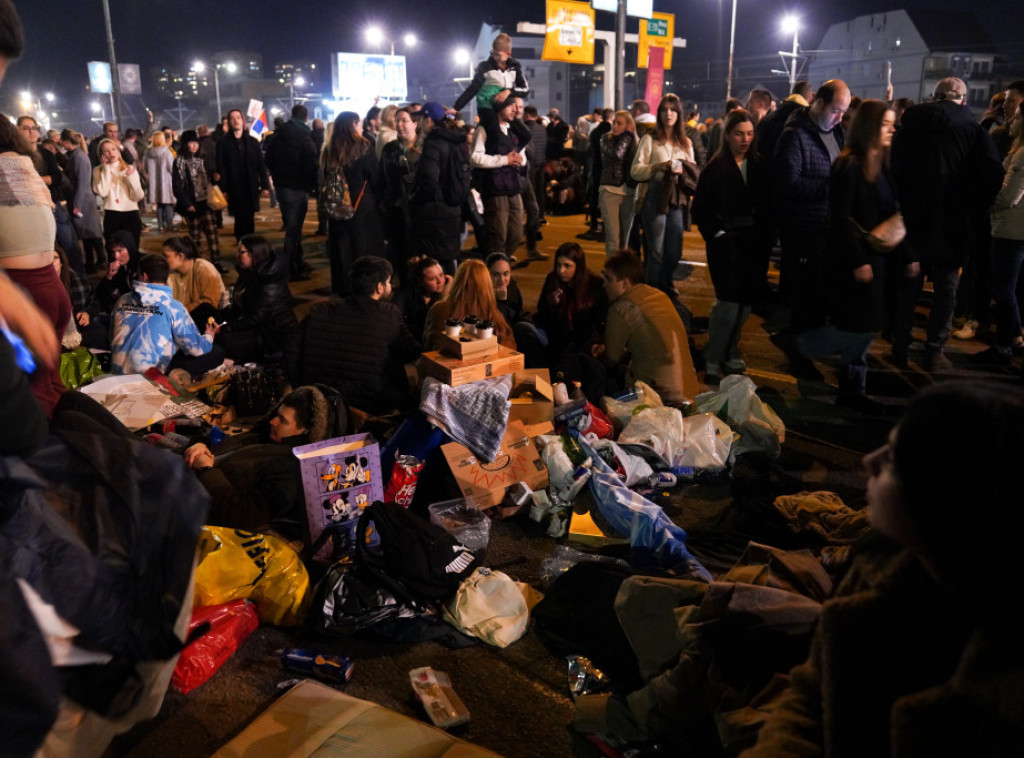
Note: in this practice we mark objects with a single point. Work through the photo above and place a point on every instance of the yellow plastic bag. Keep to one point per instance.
(236, 564)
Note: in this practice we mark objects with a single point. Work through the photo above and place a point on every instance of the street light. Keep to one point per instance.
(199, 67)
(375, 36)
(792, 24)
(464, 57)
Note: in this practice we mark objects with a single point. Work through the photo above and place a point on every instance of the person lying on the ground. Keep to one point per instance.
(253, 479)
(149, 328)
(644, 333)
(918, 652)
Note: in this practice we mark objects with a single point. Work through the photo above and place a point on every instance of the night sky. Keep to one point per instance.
(63, 34)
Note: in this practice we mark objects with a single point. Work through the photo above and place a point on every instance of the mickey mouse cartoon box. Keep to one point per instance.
(340, 477)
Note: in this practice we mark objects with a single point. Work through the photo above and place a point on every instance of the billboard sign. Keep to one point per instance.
(355, 76)
(100, 80)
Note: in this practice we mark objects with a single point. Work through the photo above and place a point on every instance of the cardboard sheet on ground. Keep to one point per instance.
(138, 402)
(517, 461)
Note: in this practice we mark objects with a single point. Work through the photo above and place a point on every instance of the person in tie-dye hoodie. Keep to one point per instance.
(150, 328)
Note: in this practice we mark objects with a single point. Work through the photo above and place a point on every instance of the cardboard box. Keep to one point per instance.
(340, 477)
(455, 372)
(531, 398)
(465, 347)
(485, 483)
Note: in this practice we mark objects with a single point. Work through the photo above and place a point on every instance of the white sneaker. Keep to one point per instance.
(967, 331)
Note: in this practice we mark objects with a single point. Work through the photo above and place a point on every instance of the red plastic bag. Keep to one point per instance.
(230, 624)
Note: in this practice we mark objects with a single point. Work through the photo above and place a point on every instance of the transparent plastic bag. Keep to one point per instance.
(736, 402)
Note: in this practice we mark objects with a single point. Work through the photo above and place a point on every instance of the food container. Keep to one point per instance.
(464, 521)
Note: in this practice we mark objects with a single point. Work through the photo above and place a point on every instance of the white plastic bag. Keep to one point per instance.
(637, 470)
(490, 607)
(691, 446)
(561, 473)
(620, 411)
(736, 402)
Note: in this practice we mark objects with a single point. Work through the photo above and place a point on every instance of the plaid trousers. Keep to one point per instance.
(204, 222)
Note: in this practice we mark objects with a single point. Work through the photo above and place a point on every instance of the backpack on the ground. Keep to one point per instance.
(458, 177)
(413, 558)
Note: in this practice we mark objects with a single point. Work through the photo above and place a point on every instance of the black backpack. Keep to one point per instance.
(458, 177)
(416, 560)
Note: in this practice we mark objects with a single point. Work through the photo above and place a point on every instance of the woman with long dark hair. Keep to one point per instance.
(260, 321)
(571, 310)
(732, 208)
(663, 193)
(861, 196)
(363, 234)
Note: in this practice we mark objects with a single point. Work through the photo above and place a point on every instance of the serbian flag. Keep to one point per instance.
(259, 125)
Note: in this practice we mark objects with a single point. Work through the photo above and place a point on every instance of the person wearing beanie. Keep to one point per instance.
(254, 479)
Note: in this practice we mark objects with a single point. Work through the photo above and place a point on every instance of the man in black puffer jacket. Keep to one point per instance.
(810, 143)
(359, 344)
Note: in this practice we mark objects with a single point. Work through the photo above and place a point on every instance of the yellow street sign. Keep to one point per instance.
(570, 32)
(659, 30)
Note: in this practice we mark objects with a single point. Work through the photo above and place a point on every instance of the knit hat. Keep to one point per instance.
(189, 135)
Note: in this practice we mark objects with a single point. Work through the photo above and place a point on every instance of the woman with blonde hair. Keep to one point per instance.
(159, 163)
(118, 186)
(616, 196)
(388, 129)
(665, 167)
(471, 294)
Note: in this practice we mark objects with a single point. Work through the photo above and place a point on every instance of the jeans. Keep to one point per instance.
(1007, 257)
(294, 204)
(66, 239)
(663, 233)
(617, 214)
(945, 277)
(165, 216)
(724, 329)
(503, 215)
(532, 211)
(852, 348)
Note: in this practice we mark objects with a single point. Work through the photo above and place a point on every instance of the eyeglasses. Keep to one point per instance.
(29, 128)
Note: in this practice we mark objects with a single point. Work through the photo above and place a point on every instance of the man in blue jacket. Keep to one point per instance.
(149, 328)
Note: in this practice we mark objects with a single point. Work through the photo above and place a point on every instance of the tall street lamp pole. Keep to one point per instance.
(792, 24)
(732, 46)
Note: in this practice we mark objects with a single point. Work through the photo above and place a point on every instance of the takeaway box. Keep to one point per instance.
(340, 477)
(456, 372)
(485, 482)
(531, 399)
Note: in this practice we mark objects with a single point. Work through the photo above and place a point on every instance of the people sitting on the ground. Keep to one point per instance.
(645, 333)
(506, 289)
(195, 282)
(471, 294)
(260, 325)
(253, 478)
(122, 268)
(359, 345)
(918, 652)
(426, 284)
(150, 329)
(571, 311)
